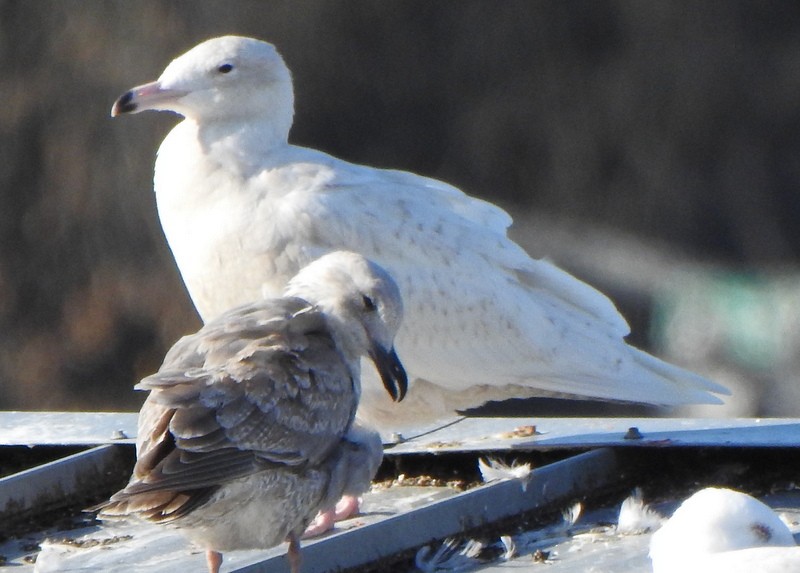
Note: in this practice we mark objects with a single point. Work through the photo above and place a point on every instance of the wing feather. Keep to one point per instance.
(232, 401)
(472, 296)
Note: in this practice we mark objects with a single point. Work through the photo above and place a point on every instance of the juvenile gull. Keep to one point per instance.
(243, 210)
(248, 429)
(720, 530)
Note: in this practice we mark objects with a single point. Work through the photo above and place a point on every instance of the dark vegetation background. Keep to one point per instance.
(639, 144)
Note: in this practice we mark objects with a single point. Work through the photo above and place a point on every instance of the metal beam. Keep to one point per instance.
(553, 485)
(62, 483)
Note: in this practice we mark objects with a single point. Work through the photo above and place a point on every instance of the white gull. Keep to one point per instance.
(720, 530)
(248, 428)
(243, 210)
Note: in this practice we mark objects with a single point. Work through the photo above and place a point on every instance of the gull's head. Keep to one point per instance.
(716, 520)
(364, 307)
(224, 78)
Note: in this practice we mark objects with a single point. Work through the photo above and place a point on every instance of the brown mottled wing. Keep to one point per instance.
(263, 385)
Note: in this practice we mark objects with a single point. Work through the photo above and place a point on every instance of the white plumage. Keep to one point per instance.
(243, 210)
(724, 531)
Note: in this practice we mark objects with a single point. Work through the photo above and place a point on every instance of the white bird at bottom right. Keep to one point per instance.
(720, 530)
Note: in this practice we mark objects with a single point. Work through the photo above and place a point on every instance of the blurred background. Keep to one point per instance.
(649, 148)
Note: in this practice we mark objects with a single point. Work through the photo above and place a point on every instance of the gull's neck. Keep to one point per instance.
(345, 333)
(241, 141)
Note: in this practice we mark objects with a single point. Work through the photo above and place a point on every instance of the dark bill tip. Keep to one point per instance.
(393, 375)
(124, 104)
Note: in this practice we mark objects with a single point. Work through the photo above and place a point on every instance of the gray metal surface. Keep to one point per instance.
(145, 548)
(494, 434)
(66, 428)
(397, 520)
(56, 484)
(550, 485)
(459, 434)
(389, 530)
(590, 546)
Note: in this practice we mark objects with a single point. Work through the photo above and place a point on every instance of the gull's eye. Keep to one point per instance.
(225, 68)
(369, 304)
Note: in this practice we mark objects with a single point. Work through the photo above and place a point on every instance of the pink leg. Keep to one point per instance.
(214, 560)
(293, 555)
(348, 506)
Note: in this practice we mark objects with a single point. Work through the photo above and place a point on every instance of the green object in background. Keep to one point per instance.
(751, 319)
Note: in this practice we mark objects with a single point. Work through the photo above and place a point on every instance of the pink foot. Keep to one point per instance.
(322, 522)
(347, 507)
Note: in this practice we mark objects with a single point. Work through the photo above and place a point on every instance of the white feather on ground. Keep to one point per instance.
(495, 470)
(635, 517)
